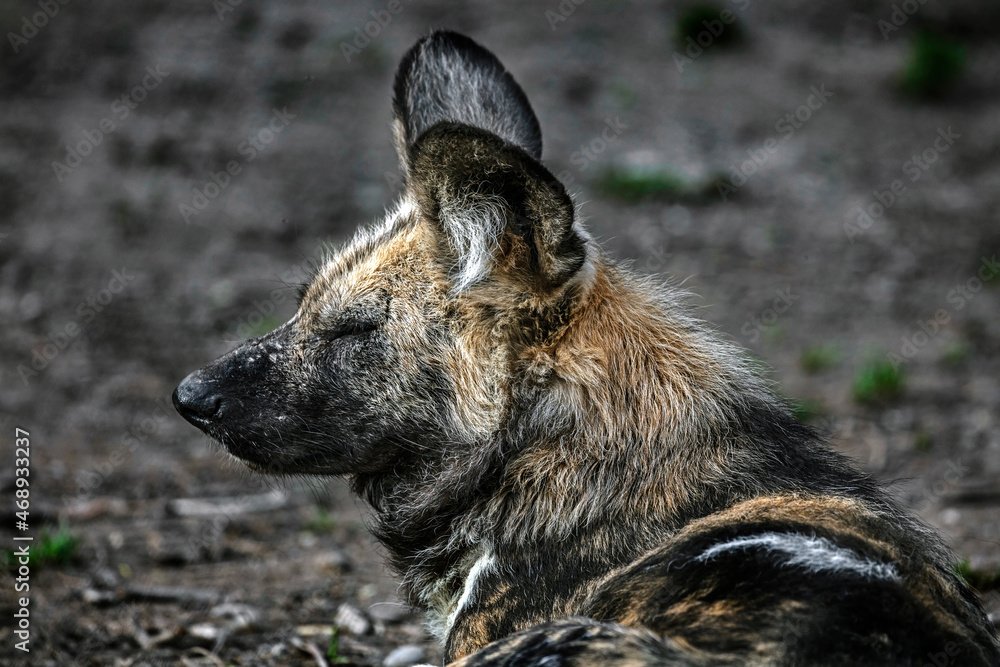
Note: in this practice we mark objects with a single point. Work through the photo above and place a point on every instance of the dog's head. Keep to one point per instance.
(411, 338)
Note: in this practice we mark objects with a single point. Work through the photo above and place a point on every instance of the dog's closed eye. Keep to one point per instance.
(354, 328)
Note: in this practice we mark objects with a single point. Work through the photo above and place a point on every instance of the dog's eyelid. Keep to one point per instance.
(357, 322)
(356, 328)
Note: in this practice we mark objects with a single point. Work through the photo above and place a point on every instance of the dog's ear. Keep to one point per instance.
(506, 218)
(449, 77)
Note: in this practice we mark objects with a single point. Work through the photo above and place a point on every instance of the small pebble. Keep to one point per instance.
(105, 577)
(404, 656)
(390, 612)
(240, 616)
(205, 631)
(352, 620)
(94, 596)
(335, 561)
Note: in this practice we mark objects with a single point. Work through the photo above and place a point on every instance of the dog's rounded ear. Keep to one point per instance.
(505, 216)
(448, 77)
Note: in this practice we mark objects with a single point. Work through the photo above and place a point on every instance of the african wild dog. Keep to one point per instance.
(565, 467)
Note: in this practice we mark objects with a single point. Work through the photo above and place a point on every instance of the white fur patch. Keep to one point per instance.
(815, 554)
(405, 207)
(474, 228)
(482, 566)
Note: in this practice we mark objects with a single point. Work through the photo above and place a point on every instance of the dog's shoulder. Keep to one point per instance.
(806, 577)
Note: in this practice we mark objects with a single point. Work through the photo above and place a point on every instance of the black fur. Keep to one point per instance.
(449, 77)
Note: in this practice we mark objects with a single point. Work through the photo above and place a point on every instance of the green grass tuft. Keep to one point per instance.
(773, 333)
(981, 580)
(333, 650)
(936, 64)
(622, 94)
(321, 523)
(56, 547)
(806, 410)
(53, 547)
(266, 325)
(923, 441)
(956, 354)
(878, 381)
(819, 358)
(634, 185)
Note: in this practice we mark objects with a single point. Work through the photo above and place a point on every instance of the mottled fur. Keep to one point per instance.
(544, 435)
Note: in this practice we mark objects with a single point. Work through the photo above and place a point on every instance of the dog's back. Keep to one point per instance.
(566, 468)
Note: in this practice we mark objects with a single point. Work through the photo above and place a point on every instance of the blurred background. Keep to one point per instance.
(824, 177)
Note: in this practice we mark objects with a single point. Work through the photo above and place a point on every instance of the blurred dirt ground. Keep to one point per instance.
(111, 291)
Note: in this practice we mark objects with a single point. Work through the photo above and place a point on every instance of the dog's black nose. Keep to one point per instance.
(197, 400)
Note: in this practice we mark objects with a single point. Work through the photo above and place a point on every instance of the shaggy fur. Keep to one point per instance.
(566, 467)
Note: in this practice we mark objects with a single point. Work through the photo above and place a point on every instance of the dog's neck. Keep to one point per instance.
(416, 512)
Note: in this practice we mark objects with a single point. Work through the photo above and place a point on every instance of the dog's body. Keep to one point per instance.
(565, 467)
